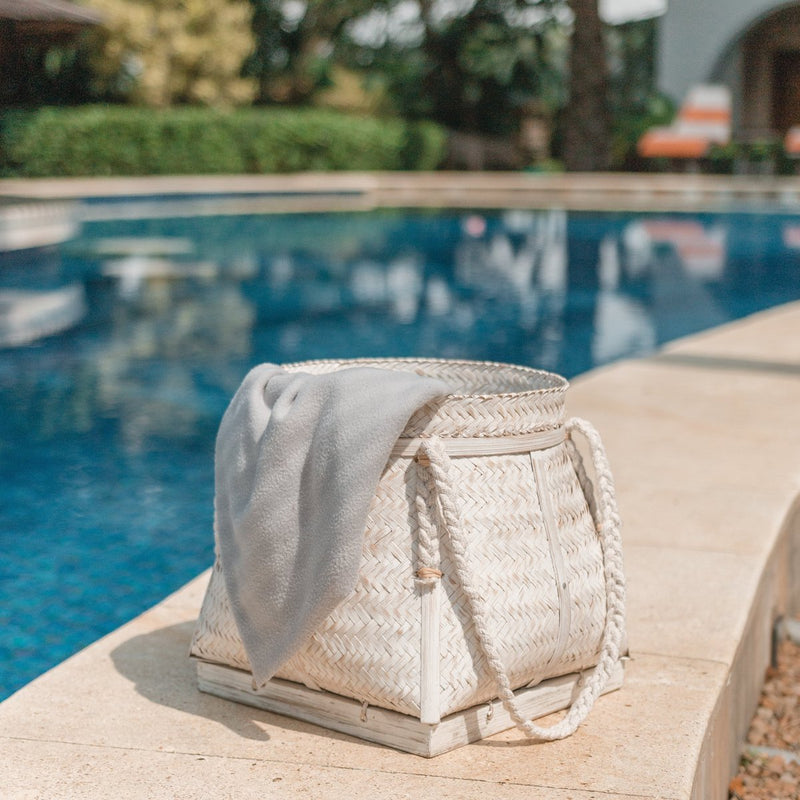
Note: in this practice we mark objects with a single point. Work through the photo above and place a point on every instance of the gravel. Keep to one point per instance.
(770, 766)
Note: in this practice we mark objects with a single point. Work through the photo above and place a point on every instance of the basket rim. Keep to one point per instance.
(560, 387)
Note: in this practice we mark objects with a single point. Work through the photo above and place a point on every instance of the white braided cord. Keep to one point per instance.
(583, 478)
(427, 545)
(608, 524)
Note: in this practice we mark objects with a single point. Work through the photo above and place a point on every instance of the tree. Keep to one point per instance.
(164, 52)
(636, 103)
(295, 45)
(587, 117)
(472, 66)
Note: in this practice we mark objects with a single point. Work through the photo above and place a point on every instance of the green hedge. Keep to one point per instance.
(118, 140)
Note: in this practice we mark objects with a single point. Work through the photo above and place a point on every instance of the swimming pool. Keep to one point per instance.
(136, 333)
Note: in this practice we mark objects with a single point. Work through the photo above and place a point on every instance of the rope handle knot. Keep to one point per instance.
(428, 573)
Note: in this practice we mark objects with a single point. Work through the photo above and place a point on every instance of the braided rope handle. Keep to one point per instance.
(607, 522)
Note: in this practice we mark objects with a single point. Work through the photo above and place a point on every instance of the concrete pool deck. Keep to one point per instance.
(704, 441)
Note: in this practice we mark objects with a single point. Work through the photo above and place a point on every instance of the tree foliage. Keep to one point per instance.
(474, 66)
(164, 52)
(295, 44)
(636, 103)
(481, 67)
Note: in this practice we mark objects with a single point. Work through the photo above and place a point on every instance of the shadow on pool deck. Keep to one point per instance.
(718, 362)
(134, 660)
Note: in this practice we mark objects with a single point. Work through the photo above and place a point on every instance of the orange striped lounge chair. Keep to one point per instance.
(791, 142)
(703, 120)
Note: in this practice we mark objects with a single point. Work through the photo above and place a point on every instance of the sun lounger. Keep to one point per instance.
(703, 120)
(791, 142)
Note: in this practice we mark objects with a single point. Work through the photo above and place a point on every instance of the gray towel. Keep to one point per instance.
(298, 459)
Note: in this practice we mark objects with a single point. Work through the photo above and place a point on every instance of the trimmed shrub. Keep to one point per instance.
(119, 140)
(426, 146)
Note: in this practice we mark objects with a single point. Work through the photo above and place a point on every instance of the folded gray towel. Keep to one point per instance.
(298, 459)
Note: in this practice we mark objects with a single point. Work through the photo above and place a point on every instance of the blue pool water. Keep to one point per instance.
(107, 428)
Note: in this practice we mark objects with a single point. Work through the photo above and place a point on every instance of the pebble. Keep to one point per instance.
(776, 724)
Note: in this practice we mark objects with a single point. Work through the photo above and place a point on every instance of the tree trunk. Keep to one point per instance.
(587, 118)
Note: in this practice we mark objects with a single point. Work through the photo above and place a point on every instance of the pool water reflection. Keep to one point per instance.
(109, 407)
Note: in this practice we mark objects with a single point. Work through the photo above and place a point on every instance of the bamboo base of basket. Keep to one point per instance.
(389, 727)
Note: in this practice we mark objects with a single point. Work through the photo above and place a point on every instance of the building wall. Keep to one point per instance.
(732, 42)
(697, 37)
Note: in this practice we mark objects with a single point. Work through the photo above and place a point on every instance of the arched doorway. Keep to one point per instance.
(751, 46)
(770, 98)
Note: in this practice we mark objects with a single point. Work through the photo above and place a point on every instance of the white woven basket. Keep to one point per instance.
(489, 563)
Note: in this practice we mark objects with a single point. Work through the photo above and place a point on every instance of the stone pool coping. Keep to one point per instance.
(705, 446)
(365, 190)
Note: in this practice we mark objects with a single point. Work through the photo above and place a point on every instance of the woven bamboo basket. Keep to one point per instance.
(491, 569)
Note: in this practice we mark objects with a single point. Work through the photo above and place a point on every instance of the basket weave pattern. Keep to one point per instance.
(369, 647)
